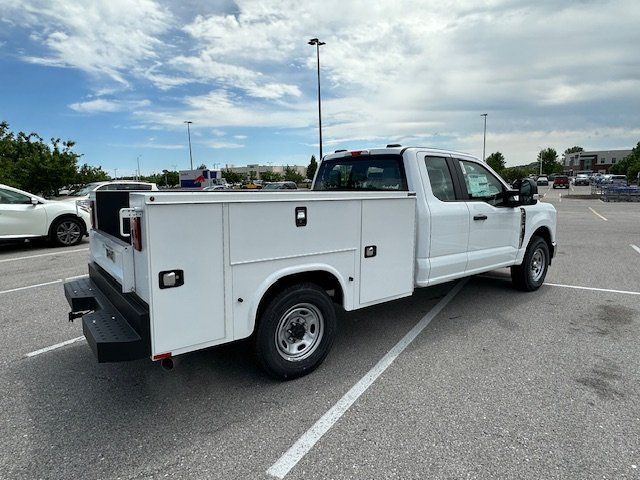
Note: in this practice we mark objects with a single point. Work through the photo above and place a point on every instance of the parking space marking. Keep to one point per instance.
(307, 441)
(60, 280)
(577, 287)
(43, 255)
(596, 213)
(635, 247)
(53, 347)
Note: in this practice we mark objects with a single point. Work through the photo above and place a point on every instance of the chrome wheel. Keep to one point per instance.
(299, 332)
(538, 264)
(68, 232)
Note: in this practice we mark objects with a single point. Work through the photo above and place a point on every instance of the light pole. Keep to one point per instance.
(318, 43)
(484, 137)
(188, 122)
(115, 171)
(138, 160)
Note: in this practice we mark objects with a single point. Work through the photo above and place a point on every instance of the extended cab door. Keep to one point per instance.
(493, 227)
(448, 218)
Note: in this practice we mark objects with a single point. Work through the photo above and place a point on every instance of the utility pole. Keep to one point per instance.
(318, 43)
(188, 122)
(115, 172)
(484, 137)
(138, 160)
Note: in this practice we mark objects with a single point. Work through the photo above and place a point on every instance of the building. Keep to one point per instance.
(592, 161)
(254, 171)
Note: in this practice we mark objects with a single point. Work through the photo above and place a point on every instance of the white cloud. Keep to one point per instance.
(100, 105)
(218, 144)
(102, 38)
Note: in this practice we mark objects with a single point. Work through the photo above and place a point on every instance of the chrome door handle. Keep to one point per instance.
(479, 217)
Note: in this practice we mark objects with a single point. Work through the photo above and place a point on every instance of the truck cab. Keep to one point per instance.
(468, 220)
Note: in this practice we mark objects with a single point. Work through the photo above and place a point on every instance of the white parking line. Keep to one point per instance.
(635, 247)
(577, 287)
(61, 252)
(307, 441)
(60, 280)
(53, 347)
(596, 213)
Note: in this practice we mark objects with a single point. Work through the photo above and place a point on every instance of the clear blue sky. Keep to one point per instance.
(120, 77)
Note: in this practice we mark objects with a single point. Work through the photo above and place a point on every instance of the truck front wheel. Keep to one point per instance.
(531, 274)
(296, 331)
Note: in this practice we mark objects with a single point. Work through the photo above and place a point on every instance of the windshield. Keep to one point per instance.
(273, 186)
(367, 172)
(86, 190)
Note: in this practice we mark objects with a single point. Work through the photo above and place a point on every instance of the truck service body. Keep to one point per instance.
(174, 272)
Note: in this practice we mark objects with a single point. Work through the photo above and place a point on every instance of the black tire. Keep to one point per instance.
(67, 231)
(283, 358)
(528, 277)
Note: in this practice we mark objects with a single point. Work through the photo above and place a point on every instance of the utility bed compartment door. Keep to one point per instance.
(387, 249)
(186, 237)
(114, 256)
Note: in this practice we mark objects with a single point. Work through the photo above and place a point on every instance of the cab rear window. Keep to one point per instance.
(367, 172)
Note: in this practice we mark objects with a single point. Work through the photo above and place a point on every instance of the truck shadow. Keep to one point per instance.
(78, 408)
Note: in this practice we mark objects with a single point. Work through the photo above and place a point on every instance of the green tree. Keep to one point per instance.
(513, 173)
(292, 175)
(271, 176)
(202, 166)
(232, 177)
(575, 149)
(629, 166)
(311, 169)
(89, 174)
(496, 161)
(550, 164)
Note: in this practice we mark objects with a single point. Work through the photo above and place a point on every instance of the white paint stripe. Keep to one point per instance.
(60, 280)
(596, 213)
(577, 287)
(53, 347)
(61, 252)
(307, 441)
(635, 247)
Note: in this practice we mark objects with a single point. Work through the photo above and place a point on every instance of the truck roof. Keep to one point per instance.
(392, 150)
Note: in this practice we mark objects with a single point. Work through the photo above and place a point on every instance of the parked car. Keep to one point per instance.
(84, 192)
(280, 186)
(561, 181)
(581, 179)
(213, 188)
(542, 181)
(377, 225)
(251, 185)
(24, 215)
(615, 180)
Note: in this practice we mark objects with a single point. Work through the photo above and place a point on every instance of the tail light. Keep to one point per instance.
(136, 234)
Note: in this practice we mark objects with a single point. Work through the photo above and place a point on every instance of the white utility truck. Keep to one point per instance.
(174, 272)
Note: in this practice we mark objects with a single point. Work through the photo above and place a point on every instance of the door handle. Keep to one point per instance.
(480, 217)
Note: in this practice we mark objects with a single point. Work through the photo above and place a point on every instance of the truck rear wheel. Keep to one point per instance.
(296, 331)
(531, 274)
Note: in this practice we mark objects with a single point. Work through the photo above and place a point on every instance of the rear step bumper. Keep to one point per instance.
(116, 325)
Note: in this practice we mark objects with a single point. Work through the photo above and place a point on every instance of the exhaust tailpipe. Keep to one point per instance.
(168, 364)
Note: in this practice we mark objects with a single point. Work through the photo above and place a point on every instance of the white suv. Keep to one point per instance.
(24, 215)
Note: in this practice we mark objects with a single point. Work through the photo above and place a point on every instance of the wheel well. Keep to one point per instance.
(68, 215)
(323, 279)
(545, 234)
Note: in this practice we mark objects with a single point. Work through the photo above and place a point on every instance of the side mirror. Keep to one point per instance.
(524, 193)
(34, 201)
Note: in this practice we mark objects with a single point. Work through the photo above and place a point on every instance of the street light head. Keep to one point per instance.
(313, 41)
(188, 121)
(483, 114)
(321, 43)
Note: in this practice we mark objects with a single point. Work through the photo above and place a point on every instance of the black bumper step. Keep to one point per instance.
(110, 332)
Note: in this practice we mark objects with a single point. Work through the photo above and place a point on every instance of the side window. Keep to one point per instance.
(481, 184)
(13, 198)
(440, 178)
(367, 172)
(141, 186)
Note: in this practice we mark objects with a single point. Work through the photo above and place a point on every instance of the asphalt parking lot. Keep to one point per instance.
(500, 384)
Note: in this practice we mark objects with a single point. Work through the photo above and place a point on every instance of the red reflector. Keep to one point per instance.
(162, 356)
(136, 234)
(356, 153)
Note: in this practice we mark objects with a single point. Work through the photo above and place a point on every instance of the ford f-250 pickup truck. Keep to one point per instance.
(174, 272)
